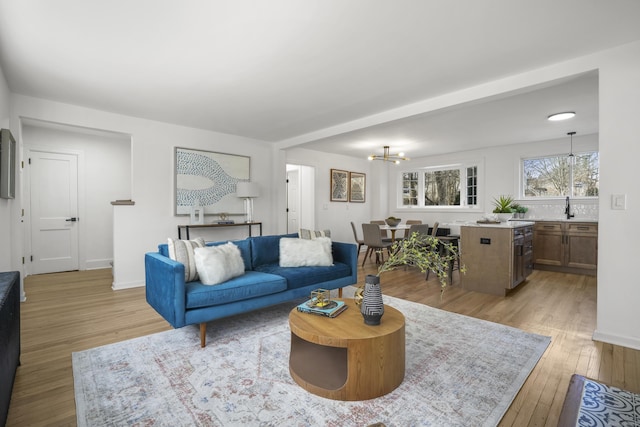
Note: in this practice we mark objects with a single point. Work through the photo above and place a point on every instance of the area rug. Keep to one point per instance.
(460, 371)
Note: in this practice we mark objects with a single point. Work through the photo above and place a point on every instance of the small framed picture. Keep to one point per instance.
(339, 185)
(357, 187)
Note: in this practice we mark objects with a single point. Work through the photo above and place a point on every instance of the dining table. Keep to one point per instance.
(394, 229)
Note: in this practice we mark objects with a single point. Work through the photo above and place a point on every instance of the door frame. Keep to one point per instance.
(28, 250)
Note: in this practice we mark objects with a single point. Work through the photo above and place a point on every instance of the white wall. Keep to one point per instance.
(499, 166)
(618, 291)
(499, 173)
(334, 216)
(105, 176)
(140, 228)
(619, 91)
(7, 258)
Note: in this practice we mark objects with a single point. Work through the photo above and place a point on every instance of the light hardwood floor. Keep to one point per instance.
(67, 312)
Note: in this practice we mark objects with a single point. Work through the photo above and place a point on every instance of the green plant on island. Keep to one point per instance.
(520, 209)
(426, 252)
(503, 204)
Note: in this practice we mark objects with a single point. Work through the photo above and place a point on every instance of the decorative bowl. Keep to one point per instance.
(392, 222)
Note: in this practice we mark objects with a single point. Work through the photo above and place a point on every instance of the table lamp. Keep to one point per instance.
(248, 191)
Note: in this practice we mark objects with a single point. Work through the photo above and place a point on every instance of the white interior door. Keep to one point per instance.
(293, 200)
(54, 212)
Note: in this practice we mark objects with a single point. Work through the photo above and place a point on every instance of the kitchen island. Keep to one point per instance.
(498, 257)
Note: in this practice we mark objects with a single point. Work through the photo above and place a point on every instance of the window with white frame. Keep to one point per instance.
(560, 176)
(440, 186)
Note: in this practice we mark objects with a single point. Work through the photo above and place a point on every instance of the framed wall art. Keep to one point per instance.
(357, 187)
(208, 179)
(339, 185)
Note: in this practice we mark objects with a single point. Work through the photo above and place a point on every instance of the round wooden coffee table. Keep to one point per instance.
(344, 359)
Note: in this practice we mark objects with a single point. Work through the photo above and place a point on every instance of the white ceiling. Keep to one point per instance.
(275, 70)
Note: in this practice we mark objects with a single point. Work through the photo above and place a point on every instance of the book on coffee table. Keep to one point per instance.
(329, 309)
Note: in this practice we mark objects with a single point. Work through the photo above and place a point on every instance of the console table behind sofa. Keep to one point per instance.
(235, 224)
(9, 337)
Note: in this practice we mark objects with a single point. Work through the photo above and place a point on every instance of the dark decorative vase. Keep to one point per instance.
(372, 307)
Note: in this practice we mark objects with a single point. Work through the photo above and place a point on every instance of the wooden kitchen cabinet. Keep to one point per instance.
(570, 247)
(497, 258)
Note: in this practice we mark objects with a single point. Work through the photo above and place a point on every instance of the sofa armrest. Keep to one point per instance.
(346, 253)
(165, 287)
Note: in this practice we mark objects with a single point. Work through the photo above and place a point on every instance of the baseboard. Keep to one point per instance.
(126, 285)
(570, 270)
(96, 264)
(623, 341)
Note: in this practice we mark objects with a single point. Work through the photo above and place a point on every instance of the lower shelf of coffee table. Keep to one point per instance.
(324, 367)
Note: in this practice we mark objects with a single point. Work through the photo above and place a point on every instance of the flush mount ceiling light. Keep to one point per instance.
(561, 116)
(395, 158)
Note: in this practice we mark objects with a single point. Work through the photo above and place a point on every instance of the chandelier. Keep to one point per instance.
(395, 158)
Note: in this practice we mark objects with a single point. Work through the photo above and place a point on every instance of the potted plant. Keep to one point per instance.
(418, 250)
(503, 207)
(520, 210)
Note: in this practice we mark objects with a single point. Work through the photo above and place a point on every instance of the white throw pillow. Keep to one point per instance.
(305, 253)
(182, 251)
(217, 264)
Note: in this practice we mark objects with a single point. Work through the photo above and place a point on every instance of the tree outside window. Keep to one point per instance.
(559, 176)
(442, 188)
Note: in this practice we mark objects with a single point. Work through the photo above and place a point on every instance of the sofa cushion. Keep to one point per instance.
(182, 251)
(217, 264)
(250, 285)
(266, 249)
(299, 277)
(312, 234)
(301, 252)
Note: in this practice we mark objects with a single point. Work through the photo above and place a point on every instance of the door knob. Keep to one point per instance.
(74, 219)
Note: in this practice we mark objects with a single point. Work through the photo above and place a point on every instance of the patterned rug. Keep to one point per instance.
(460, 371)
(591, 403)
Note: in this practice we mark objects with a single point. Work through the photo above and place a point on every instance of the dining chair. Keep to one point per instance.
(410, 222)
(373, 241)
(455, 242)
(383, 233)
(422, 229)
(434, 230)
(360, 242)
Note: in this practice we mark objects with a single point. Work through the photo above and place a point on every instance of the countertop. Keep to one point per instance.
(508, 224)
(513, 223)
(555, 220)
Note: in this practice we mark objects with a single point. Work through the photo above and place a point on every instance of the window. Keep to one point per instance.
(558, 176)
(410, 189)
(441, 186)
(472, 186)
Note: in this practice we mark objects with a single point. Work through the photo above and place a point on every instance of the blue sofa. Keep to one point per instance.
(264, 282)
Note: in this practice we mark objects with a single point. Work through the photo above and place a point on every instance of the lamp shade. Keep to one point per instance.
(247, 189)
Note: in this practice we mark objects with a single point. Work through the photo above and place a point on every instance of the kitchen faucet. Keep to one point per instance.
(567, 210)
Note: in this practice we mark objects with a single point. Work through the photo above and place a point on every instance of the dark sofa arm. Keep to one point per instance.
(165, 287)
(346, 253)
